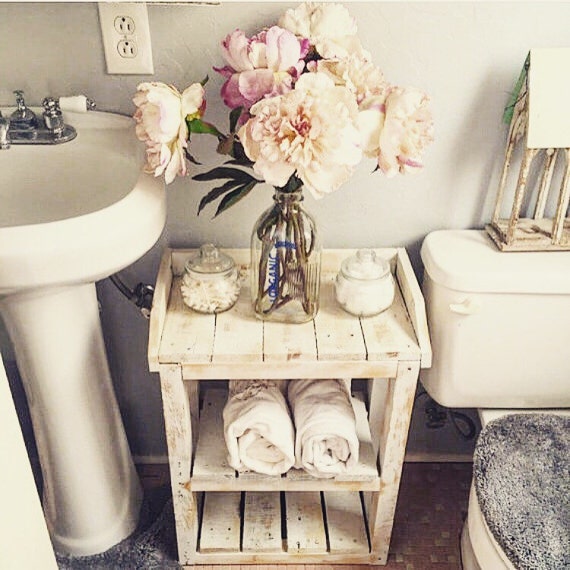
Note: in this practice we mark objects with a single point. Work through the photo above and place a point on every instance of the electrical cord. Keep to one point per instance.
(437, 416)
(141, 295)
(463, 424)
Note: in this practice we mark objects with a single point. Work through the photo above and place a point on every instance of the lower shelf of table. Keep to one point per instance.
(295, 518)
(257, 523)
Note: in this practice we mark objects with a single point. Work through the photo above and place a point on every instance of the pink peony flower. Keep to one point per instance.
(265, 65)
(161, 124)
(309, 132)
(396, 128)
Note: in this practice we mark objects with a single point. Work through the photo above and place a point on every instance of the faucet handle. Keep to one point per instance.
(20, 99)
(51, 107)
(23, 111)
(53, 116)
(23, 117)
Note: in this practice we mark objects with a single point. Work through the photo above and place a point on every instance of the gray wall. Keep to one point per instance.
(466, 55)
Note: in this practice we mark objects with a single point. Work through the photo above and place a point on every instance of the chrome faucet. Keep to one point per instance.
(4, 132)
(23, 118)
(24, 127)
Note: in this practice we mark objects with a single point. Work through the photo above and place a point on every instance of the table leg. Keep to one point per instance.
(392, 435)
(178, 427)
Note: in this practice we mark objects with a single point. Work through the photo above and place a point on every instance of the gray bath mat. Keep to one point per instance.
(521, 471)
(151, 547)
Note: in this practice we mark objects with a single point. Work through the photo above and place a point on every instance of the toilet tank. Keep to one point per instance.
(499, 323)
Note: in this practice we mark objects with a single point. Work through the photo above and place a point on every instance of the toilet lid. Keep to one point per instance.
(521, 473)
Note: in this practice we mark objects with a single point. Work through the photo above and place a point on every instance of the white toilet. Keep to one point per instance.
(500, 331)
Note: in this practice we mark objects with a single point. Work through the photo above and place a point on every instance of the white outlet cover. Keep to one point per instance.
(141, 63)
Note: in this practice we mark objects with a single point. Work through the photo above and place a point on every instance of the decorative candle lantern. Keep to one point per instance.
(539, 116)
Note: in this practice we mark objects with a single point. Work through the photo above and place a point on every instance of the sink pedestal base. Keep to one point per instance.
(92, 493)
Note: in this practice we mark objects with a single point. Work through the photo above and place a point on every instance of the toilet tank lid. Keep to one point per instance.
(468, 260)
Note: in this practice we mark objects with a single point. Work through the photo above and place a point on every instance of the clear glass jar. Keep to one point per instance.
(210, 283)
(285, 261)
(364, 285)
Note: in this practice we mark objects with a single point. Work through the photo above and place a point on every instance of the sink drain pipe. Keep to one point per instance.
(141, 295)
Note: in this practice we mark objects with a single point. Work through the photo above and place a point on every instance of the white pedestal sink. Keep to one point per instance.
(70, 215)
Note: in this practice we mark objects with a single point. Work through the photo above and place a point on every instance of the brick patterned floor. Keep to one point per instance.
(431, 509)
(430, 513)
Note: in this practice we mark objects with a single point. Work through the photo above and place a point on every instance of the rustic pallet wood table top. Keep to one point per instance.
(238, 345)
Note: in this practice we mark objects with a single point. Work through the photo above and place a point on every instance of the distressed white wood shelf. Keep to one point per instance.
(211, 471)
(226, 518)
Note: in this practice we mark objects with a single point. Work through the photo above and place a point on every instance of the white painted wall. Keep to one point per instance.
(466, 55)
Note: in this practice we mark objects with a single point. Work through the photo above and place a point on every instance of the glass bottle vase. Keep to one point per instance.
(285, 261)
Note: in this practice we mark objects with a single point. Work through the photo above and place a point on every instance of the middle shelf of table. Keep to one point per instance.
(211, 471)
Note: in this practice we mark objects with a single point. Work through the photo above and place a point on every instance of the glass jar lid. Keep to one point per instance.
(210, 261)
(365, 265)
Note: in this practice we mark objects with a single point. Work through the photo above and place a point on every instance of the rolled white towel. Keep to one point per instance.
(326, 443)
(257, 427)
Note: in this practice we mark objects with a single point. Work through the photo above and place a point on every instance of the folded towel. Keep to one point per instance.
(257, 427)
(326, 443)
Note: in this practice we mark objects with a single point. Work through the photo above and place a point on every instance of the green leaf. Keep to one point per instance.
(239, 153)
(245, 162)
(509, 109)
(234, 118)
(225, 145)
(292, 184)
(222, 172)
(201, 127)
(204, 81)
(216, 193)
(235, 196)
(192, 159)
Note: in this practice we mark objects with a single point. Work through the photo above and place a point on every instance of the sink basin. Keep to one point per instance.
(72, 214)
(79, 211)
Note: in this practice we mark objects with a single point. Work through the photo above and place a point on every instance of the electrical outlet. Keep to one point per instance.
(127, 49)
(126, 37)
(124, 25)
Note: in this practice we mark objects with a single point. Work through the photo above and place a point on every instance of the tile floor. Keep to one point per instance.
(430, 513)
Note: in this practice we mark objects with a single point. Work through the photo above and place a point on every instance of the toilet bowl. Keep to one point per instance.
(479, 548)
(497, 323)
(475, 535)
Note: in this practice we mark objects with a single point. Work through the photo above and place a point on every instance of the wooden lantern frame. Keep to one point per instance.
(543, 128)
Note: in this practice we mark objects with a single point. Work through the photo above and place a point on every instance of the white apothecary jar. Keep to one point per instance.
(210, 283)
(364, 285)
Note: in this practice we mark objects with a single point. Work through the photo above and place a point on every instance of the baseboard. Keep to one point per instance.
(150, 459)
(427, 457)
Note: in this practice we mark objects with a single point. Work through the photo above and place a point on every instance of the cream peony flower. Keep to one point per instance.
(193, 101)
(309, 132)
(165, 159)
(161, 124)
(329, 27)
(396, 128)
(358, 74)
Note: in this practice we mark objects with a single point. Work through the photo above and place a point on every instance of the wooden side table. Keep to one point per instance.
(227, 518)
